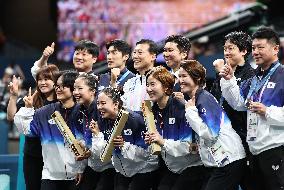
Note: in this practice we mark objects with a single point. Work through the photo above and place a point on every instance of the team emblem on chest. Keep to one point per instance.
(172, 121)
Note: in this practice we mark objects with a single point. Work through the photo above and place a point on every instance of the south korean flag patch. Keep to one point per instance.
(271, 85)
(127, 132)
(51, 121)
(172, 121)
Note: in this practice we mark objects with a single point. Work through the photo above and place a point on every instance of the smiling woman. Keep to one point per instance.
(44, 95)
(220, 147)
(59, 172)
(131, 157)
(173, 133)
(45, 85)
(85, 88)
(97, 175)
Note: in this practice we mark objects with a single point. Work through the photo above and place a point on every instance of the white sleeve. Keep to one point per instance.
(98, 144)
(176, 148)
(134, 153)
(197, 124)
(81, 166)
(231, 92)
(125, 95)
(275, 115)
(35, 69)
(23, 119)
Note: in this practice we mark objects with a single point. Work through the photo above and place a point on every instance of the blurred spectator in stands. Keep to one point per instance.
(203, 47)
(17, 70)
(4, 91)
(10, 71)
(102, 21)
(198, 48)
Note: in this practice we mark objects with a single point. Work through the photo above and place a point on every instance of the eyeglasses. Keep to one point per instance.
(229, 48)
(60, 87)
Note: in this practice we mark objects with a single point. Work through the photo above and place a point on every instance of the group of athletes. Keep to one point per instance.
(222, 138)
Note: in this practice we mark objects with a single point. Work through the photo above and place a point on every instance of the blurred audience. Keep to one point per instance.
(10, 71)
(102, 21)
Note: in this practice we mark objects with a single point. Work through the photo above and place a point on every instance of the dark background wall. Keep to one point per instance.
(30, 21)
(28, 26)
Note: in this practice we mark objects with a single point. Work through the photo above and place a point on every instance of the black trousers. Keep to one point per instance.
(192, 178)
(167, 179)
(93, 180)
(268, 167)
(227, 177)
(248, 181)
(47, 184)
(141, 181)
(32, 167)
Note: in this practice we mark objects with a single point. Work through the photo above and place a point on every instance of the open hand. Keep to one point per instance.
(14, 86)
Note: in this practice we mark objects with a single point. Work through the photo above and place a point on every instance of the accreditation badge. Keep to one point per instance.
(252, 126)
(219, 154)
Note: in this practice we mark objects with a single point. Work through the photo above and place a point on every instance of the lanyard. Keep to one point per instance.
(123, 77)
(258, 84)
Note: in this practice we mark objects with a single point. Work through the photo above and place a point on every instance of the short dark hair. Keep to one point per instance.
(68, 78)
(241, 40)
(120, 45)
(89, 46)
(195, 70)
(183, 43)
(153, 47)
(266, 33)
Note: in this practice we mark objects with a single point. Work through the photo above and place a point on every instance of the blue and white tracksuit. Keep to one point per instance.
(87, 115)
(135, 93)
(122, 78)
(172, 125)
(59, 160)
(270, 128)
(134, 157)
(213, 127)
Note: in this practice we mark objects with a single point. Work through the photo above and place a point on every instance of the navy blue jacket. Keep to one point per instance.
(86, 116)
(105, 79)
(132, 131)
(171, 122)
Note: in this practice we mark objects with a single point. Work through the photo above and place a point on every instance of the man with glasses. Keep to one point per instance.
(237, 48)
(262, 97)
